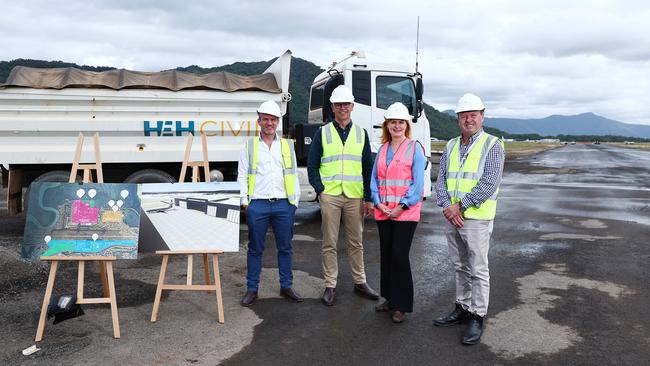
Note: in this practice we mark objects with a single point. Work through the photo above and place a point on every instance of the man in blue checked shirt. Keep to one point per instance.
(468, 184)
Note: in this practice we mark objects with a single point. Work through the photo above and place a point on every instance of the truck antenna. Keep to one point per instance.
(417, 45)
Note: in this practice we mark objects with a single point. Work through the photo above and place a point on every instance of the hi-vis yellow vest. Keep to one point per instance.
(340, 166)
(462, 177)
(289, 170)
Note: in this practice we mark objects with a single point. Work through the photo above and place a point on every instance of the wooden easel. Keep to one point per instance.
(105, 263)
(188, 286)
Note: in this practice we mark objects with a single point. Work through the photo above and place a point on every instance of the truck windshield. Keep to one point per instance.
(391, 89)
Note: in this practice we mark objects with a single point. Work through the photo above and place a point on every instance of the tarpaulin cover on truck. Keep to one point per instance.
(70, 77)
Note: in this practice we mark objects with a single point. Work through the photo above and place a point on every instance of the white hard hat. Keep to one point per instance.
(270, 107)
(469, 102)
(342, 94)
(397, 111)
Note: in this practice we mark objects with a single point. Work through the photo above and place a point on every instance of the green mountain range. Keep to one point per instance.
(303, 73)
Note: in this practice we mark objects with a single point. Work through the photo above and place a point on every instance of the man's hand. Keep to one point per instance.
(243, 208)
(454, 215)
(369, 209)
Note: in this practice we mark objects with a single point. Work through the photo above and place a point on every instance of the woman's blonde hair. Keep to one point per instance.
(385, 134)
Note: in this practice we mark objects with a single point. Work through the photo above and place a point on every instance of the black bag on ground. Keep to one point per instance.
(64, 307)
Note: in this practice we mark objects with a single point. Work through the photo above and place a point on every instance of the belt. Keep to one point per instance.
(269, 199)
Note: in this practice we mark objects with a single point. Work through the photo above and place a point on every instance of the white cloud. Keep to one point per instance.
(526, 59)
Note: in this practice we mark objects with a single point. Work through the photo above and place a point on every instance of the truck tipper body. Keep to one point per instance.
(143, 119)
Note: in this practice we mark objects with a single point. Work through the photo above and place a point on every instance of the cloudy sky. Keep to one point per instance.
(526, 59)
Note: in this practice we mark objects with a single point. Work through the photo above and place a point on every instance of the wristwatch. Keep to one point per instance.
(460, 204)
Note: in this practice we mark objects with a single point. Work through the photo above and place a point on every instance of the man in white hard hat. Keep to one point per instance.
(339, 168)
(269, 191)
(468, 184)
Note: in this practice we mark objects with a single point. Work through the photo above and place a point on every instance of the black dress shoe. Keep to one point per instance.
(474, 330)
(398, 317)
(459, 315)
(249, 298)
(382, 307)
(329, 296)
(290, 294)
(364, 290)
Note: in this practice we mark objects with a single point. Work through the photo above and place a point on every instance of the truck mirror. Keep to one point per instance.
(336, 80)
(419, 89)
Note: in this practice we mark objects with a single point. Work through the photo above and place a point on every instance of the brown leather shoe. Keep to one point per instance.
(290, 294)
(249, 298)
(329, 296)
(383, 307)
(364, 290)
(398, 317)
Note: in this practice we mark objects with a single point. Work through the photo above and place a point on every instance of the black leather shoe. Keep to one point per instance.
(329, 296)
(364, 290)
(249, 298)
(458, 316)
(290, 294)
(398, 317)
(474, 330)
(382, 307)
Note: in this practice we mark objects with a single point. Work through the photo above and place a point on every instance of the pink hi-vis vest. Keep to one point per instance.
(395, 179)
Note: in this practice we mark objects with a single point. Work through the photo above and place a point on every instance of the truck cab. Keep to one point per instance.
(375, 86)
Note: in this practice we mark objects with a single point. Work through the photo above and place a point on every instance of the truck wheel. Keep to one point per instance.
(56, 176)
(150, 176)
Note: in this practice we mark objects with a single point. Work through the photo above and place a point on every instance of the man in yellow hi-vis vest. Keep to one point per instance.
(471, 167)
(269, 191)
(339, 168)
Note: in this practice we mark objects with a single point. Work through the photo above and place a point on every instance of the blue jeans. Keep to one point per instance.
(259, 214)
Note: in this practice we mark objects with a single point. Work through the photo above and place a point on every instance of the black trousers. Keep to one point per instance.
(395, 239)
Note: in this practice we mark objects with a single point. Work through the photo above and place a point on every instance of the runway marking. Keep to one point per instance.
(589, 223)
(521, 330)
(556, 236)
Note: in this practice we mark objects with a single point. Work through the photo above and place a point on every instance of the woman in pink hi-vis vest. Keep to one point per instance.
(397, 183)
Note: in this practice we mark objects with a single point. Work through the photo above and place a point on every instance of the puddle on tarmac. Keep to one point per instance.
(521, 330)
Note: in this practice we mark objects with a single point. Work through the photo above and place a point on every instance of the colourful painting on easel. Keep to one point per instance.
(190, 216)
(93, 219)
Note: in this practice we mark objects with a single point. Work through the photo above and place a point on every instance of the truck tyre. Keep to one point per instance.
(57, 176)
(150, 176)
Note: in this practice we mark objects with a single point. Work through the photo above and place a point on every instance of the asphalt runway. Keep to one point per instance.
(570, 274)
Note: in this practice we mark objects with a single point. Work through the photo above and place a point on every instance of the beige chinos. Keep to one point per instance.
(348, 212)
(468, 250)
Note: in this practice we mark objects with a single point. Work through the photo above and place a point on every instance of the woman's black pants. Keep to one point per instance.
(395, 239)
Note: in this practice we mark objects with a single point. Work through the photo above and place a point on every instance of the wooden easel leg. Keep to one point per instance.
(46, 301)
(161, 282)
(206, 269)
(111, 288)
(217, 283)
(102, 275)
(88, 178)
(190, 269)
(80, 280)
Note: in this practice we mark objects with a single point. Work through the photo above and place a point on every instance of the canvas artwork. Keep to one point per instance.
(71, 219)
(190, 216)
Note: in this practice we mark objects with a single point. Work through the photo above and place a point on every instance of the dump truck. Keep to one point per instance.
(143, 118)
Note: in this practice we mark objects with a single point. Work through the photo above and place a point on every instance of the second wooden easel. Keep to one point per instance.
(188, 286)
(105, 263)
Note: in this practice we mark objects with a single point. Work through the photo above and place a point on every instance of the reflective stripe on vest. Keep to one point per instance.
(463, 176)
(340, 166)
(289, 167)
(395, 180)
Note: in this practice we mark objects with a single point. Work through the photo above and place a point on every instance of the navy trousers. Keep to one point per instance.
(280, 215)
